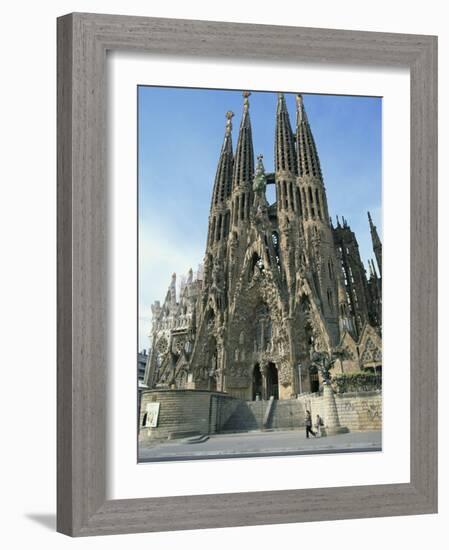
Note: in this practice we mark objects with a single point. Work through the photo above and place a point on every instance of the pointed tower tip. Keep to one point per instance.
(244, 154)
(246, 95)
(281, 104)
(229, 116)
(300, 110)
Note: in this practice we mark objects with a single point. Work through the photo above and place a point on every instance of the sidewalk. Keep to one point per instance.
(250, 444)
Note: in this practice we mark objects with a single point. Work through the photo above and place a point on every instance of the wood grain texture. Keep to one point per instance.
(83, 40)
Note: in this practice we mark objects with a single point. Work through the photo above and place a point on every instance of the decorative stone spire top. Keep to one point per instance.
(377, 244)
(223, 177)
(244, 155)
(246, 95)
(229, 116)
(308, 160)
(281, 102)
(285, 154)
(301, 115)
(173, 289)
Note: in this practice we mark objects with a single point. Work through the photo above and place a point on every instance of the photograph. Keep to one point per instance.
(259, 273)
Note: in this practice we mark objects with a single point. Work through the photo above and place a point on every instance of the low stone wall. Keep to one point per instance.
(188, 412)
(357, 411)
(185, 412)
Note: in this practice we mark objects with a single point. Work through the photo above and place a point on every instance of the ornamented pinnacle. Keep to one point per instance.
(244, 155)
(229, 116)
(281, 102)
(246, 95)
(285, 154)
(377, 245)
(300, 111)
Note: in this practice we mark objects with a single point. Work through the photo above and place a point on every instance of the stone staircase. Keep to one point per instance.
(288, 414)
(247, 416)
(268, 415)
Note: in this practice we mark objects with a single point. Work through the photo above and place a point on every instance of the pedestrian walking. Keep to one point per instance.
(318, 424)
(309, 425)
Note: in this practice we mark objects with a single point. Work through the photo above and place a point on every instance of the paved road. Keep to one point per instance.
(262, 443)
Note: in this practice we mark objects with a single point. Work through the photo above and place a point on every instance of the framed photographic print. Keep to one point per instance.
(275, 338)
(251, 210)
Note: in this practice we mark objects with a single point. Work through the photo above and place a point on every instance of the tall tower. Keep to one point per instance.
(377, 245)
(288, 200)
(243, 170)
(214, 281)
(219, 221)
(241, 198)
(354, 275)
(316, 223)
(375, 296)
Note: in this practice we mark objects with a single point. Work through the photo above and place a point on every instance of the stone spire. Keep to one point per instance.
(242, 179)
(173, 289)
(244, 155)
(219, 218)
(223, 177)
(377, 245)
(285, 154)
(315, 216)
(307, 155)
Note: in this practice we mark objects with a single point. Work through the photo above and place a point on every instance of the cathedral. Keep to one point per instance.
(279, 282)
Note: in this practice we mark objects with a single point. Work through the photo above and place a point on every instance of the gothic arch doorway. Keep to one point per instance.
(314, 380)
(272, 381)
(257, 383)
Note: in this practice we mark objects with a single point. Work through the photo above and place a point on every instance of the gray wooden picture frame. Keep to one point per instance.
(83, 40)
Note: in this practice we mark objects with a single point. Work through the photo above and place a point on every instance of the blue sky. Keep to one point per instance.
(179, 140)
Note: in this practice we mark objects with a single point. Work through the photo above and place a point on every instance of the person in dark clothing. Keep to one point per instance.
(309, 425)
(318, 424)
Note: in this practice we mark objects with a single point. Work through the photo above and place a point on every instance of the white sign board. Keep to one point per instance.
(152, 415)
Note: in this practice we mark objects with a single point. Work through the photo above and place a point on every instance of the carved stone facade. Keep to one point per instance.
(278, 281)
